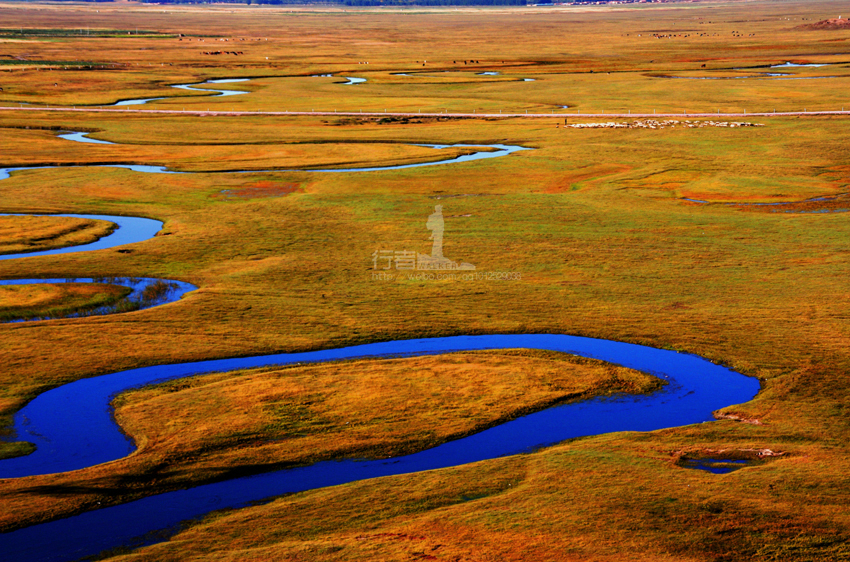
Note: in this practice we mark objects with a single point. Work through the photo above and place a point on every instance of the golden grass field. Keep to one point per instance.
(594, 220)
(30, 234)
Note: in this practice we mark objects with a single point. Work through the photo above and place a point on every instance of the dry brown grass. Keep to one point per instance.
(212, 427)
(33, 234)
(53, 301)
(277, 150)
(317, 412)
(591, 219)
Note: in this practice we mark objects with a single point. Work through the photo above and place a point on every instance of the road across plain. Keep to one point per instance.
(418, 114)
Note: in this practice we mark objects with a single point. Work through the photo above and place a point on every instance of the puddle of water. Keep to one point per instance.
(782, 204)
(487, 73)
(353, 80)
(805, 77)
(762, 76)
(794, 65)
(717, 466)
(528, 79)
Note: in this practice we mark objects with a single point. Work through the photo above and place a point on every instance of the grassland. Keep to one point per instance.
(33, 234)
(259, 420)
(19, 302)
(593, 219)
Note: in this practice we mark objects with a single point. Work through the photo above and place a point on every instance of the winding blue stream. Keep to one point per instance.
(174, 291)
(215, 92)
(501, 150)
(129, 231)
(73, 428)
(82, 137)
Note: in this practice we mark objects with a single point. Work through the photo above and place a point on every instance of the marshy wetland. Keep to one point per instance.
(680, 285)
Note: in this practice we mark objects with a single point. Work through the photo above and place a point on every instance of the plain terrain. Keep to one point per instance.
(596, 221)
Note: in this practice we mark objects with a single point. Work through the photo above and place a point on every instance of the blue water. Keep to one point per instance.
(503, 150)
(711, 465)
(792, 65)
(760, 76)
(353, 80)
(139, 101)
(6, 172)
(129, 231)
(72, 427)
(216, 92)
(82, 137)
(137, 285)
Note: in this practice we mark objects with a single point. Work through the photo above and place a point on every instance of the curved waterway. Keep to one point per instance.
(145, 292)
(193, 87)
(494, 151)
(73, 427)
(130, 230)
(77, 136)
(215, 92)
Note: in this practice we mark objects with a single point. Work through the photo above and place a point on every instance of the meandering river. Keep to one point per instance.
(73, 428)
(479, 152)
(73, 425)
(194, 88)
(129, 230)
